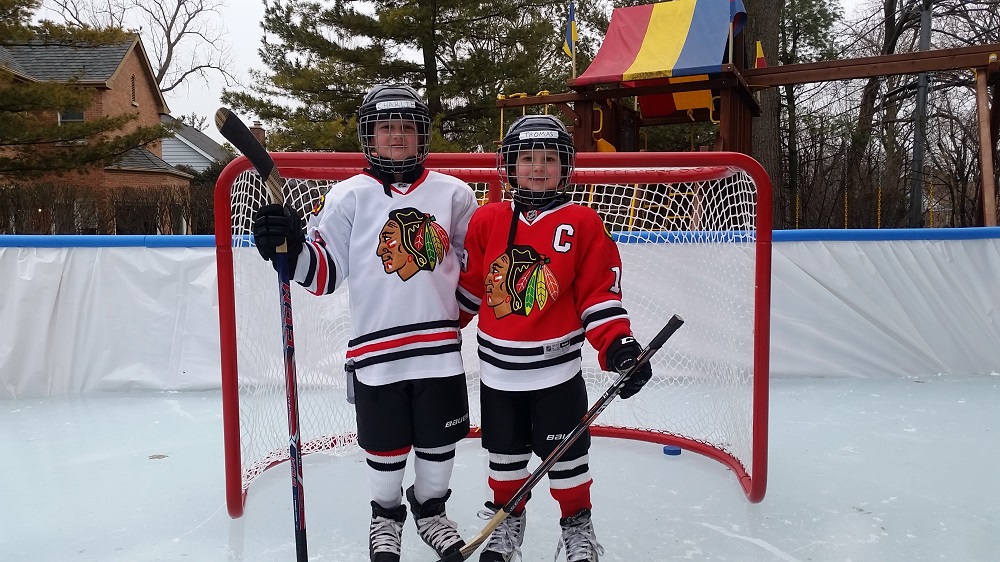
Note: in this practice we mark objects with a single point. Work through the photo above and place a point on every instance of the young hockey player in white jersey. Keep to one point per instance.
(396, 233)
(543, 274)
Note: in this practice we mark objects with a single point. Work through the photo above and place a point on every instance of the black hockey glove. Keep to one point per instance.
(274, 225)
(621, 355)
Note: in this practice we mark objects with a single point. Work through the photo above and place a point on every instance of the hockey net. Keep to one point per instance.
(693, 231)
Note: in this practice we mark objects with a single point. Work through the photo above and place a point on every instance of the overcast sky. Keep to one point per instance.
(242, 22)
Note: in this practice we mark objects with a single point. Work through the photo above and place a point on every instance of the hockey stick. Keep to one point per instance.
(236, 132)
(473, 544)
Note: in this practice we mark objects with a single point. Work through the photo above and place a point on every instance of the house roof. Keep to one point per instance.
(60, 61)
(63, 62)
(196, 139)
(9, 61)
(141, 160)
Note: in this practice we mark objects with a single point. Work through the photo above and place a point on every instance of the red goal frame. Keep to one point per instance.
(646, 167)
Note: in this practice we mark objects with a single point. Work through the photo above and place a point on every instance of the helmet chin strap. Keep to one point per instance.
(389, 178)
(513, 224)
(558, 197)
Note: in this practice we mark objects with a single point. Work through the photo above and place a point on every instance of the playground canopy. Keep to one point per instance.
(664, 43)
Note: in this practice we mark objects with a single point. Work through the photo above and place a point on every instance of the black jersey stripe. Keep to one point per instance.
(521, 351)
(518, 351)
(603, 314)
(313, 258)
(407, 353)
(396, 330)
(467, 303)
(541, 364)
(331, 278)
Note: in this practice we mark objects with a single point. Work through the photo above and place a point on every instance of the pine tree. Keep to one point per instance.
(322, 58)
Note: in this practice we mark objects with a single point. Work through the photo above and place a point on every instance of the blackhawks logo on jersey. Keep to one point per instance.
(520, 281)
(410, 241)
(318, 205)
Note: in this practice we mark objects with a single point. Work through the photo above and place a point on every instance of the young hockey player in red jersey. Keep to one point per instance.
(396, 233)
(543, 274)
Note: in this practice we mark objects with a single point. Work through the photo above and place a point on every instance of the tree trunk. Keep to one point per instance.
(793, 160)
(894, 25)
(763, 22)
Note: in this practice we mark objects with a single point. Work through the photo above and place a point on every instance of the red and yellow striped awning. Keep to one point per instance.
(667, 42)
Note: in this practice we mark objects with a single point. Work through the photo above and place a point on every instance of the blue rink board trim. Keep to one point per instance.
(106, 241)
(871, 234)
(818, 235)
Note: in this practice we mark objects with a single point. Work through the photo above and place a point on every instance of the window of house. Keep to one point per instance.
(71, 116)
(133, 91)
(68, 117)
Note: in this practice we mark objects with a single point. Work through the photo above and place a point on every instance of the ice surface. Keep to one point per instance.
(860, 470)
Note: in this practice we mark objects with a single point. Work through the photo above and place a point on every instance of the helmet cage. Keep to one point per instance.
(535, 132)
(396, 104)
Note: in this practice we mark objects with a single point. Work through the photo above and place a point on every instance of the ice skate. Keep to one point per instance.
(433, 525)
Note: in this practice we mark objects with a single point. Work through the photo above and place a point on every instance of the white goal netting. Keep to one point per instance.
(692, 243)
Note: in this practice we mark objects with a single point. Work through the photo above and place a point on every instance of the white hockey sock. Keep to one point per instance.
(432, 469)
(385, 476)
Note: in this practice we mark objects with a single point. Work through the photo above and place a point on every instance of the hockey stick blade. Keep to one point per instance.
(235, 131)
(610, 394)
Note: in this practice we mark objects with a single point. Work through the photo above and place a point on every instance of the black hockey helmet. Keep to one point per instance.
(385, 103)
(535, 132)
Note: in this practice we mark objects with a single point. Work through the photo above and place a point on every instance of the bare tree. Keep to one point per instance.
(851, 158)
(192, 119)
(181, 36)
(47, 208)
(763, 22)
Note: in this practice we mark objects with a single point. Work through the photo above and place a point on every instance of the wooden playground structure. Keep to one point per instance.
(602, 122)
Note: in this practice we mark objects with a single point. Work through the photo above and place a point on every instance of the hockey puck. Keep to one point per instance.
(672, 450)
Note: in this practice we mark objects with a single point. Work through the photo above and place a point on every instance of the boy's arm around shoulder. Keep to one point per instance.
(470, 282)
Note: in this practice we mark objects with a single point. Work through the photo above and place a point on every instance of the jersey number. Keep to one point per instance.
(616, 287)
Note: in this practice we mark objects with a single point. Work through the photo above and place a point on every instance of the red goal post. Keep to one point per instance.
(694, 231)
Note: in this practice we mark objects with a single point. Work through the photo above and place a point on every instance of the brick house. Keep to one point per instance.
(123, 81)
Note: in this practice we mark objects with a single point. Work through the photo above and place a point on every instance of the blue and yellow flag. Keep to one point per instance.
(569, 42)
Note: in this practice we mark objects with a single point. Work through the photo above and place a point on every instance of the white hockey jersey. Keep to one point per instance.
(401, 256)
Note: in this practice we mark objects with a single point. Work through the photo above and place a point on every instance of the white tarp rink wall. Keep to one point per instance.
(110, 313)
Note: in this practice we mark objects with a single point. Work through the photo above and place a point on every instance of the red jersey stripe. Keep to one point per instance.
(321, 271)
(400, 342)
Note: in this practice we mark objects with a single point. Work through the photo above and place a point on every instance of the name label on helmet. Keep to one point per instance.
(538, 135)
(395, 104)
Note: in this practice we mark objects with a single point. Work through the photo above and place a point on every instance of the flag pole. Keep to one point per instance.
(574, 59)
(570, 40)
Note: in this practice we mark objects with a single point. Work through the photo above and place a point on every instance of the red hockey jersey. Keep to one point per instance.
(537, 300)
